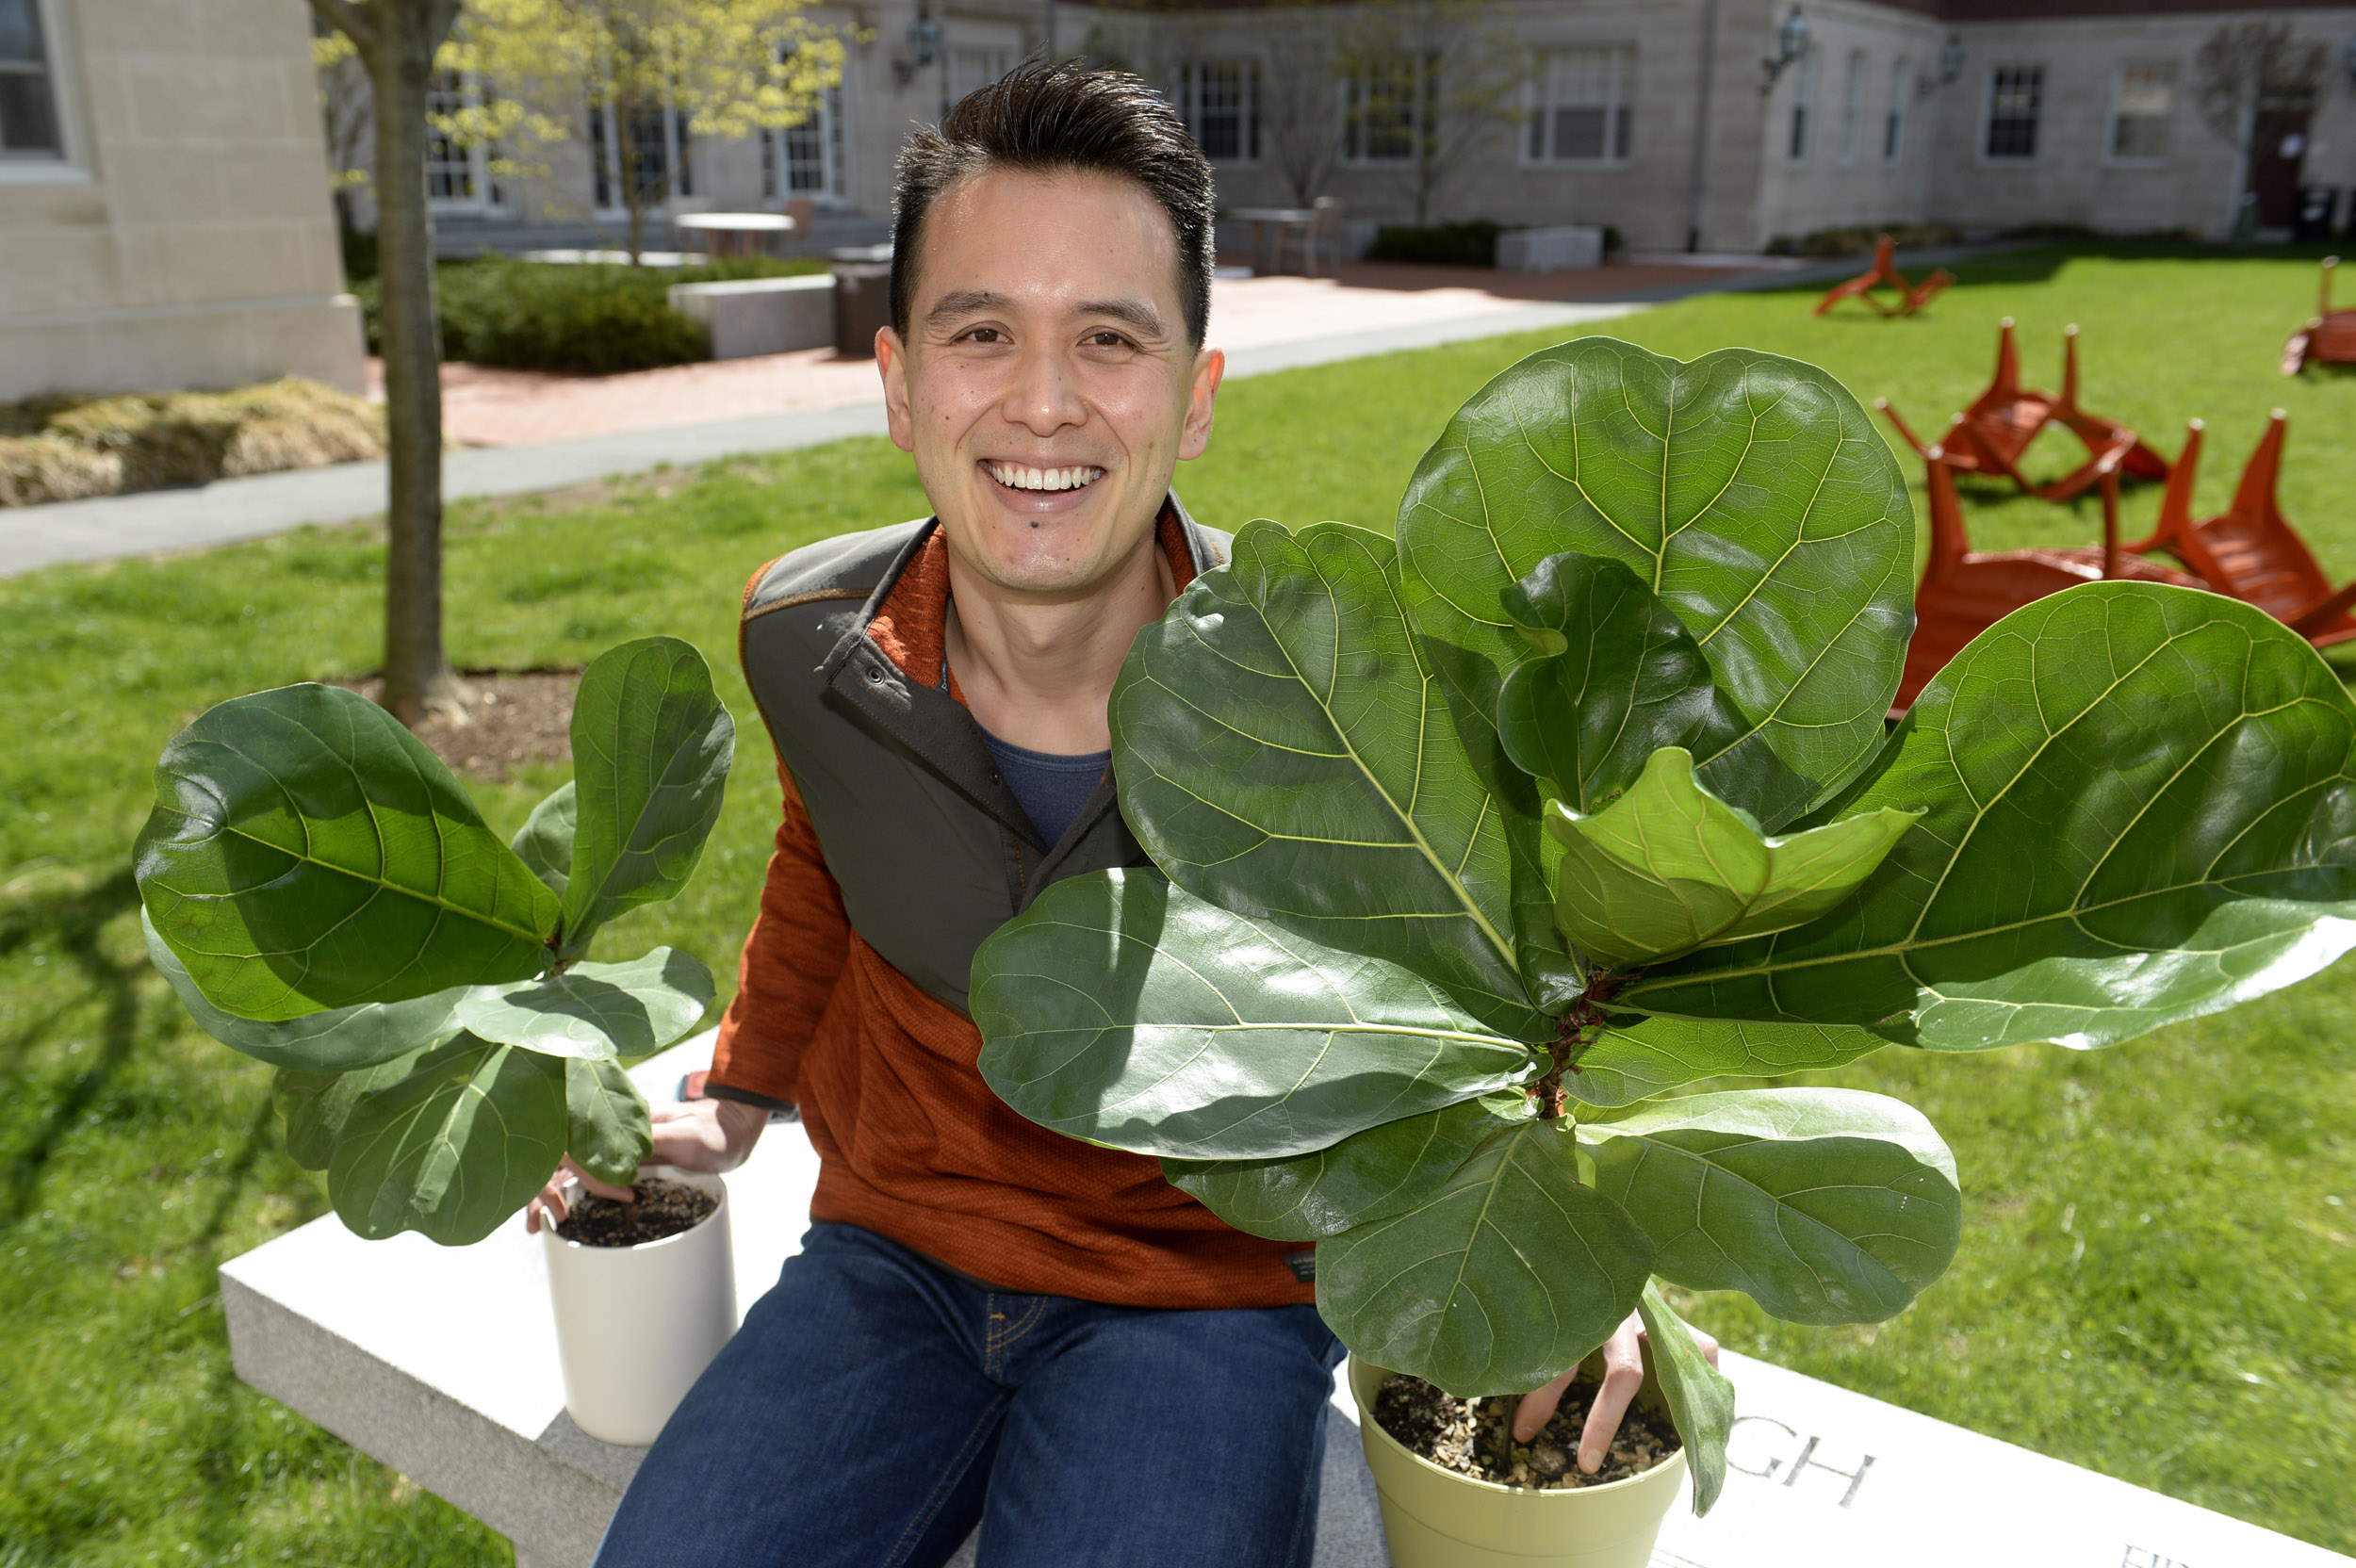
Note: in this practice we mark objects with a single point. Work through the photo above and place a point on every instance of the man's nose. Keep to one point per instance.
(1043, 399)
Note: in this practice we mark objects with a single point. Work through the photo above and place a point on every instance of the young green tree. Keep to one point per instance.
(726, 68)
(1426, 84)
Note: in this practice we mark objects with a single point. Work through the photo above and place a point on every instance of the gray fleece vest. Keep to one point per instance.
(929, 846)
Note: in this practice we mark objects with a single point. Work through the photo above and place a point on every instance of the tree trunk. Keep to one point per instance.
(399, 53)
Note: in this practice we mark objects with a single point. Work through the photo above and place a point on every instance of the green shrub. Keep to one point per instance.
(594, 320)
(1471, 244)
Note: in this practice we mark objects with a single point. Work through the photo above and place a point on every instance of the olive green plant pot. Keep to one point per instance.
(1437, 1518)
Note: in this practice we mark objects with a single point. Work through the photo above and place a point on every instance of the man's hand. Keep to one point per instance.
(1623, 1374)
(701, 1134)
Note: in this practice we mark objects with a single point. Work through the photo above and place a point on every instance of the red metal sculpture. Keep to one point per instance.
(1963, 593)
(2251, 550)
(2331, 337)
(1990, 435)
(1885, 274)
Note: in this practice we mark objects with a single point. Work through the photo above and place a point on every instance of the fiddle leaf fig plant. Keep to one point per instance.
(1475, 843)
(322, 895)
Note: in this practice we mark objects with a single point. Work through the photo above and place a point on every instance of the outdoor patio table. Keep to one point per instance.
(441, 1362)
(735, 233)
(1283, 218)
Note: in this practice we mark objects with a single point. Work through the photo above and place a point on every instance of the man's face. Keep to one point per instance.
(1046, 386)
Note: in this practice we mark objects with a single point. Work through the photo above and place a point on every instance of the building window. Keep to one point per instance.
(2015, 93)
(1579, 106)
(807, 159)
(457, 176)
(28, 107)
(2140, 111)
(658, 144)
(1388, 102)
(1853, 107)
(970, 71)
(1803, 97)
(1894, 123)
(1220, 101)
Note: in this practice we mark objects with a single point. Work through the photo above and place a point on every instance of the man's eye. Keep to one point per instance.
(986, 335)
(1108, 339)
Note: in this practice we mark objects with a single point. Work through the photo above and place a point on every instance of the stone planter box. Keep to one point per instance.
(1557, 250)
(760, 316)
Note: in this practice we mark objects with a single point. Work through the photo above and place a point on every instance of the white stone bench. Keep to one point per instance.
(1563, 249)
(760, 316)
(440, 1363)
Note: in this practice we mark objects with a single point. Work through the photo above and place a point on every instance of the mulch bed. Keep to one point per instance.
(1473, 1437)
(516, 719)
(664, 1209)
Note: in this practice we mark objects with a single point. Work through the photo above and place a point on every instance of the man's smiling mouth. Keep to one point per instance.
(1016, 476)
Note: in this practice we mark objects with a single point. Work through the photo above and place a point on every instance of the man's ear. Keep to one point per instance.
(891, 363)
(1210, 365)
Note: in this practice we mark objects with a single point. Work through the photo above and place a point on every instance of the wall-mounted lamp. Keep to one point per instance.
(1951, 57)
(923, 48)
(1790, 43)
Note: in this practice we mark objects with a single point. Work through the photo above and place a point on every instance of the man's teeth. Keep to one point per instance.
(1016, 476)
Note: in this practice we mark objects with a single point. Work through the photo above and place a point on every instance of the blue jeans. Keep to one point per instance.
(874, 1407)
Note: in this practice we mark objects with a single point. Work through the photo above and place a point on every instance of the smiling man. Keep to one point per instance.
(987, 1322)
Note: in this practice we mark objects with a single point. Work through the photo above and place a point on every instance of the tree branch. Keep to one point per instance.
(349, 20)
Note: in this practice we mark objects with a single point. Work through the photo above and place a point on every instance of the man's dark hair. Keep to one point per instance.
(1047, 119)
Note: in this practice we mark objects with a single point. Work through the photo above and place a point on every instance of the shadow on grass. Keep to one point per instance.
(2040, 263)
(70, 920)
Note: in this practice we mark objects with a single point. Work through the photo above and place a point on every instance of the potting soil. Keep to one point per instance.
(664, 1209)
(1473, 1437)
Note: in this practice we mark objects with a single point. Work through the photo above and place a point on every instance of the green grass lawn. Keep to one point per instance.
(2158, 1271)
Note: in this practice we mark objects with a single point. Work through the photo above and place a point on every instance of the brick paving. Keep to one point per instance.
(486, 407)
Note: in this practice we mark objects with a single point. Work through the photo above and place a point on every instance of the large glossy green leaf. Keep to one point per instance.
(329, 1043)
(651, 745)
(1821, 1205)
(306, 853)
(596, 1010)
(1121, 1009)
(609, 1129)
(1669, 867)
(2139, 811)
(1636, 1058)
(453, 1149)
(1700, 1398)
(1366, 1176)
(1283, 749)
(1749, 492)
(1509, 1273)
(545, 842)
(316, 1104)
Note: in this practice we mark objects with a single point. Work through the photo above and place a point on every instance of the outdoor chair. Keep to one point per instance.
(1990, 436)
(1963, 593)
(2251, 550)
(2331, 337)
(1885, 274)
(1324, 229)
(802, 210)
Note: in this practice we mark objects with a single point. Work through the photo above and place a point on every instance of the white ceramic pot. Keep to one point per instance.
(1438, 1518)
(636, 1326)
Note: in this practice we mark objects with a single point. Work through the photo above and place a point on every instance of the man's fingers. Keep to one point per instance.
(1623, 1374)
(1709, 1347)
(1538, 1407)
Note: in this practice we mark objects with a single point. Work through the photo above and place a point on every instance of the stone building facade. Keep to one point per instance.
(164, 210)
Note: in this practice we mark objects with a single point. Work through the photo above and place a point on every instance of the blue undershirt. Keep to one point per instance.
(1050, 788)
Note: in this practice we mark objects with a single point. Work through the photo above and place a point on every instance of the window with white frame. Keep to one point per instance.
(28, 102)
(1853, 107)
(1579, 106)
(659, 150)
(2016, 94)
(807, 159)
(2141, 110)
(1895, 122)
(970, 70)
(457, 176)
(1387, 105)
(1220, 101)
(1803, 100)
